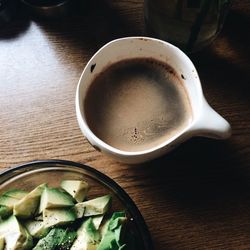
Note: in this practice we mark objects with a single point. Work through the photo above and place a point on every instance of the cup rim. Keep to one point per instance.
(103, 146)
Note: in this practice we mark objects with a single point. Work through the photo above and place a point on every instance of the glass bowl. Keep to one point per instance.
(30, 175)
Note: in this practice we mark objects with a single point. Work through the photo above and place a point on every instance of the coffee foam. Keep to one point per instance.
(137, 104)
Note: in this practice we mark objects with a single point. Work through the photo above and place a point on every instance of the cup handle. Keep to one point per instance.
(210, 124)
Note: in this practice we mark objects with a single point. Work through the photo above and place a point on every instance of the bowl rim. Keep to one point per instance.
(141, 224)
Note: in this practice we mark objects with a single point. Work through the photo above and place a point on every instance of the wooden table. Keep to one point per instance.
(197, 197)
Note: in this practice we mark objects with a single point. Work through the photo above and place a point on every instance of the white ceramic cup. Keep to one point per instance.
(205, 121)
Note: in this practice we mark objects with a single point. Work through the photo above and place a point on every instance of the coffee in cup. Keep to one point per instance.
(136, 104)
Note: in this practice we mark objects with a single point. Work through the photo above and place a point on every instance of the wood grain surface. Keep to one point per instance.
(197, 197)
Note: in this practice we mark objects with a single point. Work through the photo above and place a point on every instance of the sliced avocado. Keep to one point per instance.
(104, 227)
(5, 211)
(27, 206)
(87, 237)
(16, 237)
(58, 216)
(36, 228)
(112, 238)
(39, 217)
(28, 244)
(51, 241)
(93, 207)
(90, 229)
(97, 220)
(8, 200)
(55, 198)
(79, 210)
(77, 189)
(2, 243)
(67, 240)
(16, 193)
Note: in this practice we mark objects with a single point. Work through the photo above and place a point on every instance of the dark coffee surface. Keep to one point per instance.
(137, 104)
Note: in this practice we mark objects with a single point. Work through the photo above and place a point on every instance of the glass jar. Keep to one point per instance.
(49, 8)
(189, 24)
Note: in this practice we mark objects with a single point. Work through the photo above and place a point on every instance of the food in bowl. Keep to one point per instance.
(62, 218)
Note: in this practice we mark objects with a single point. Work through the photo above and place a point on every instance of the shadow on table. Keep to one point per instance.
(201, 176)
(209, 176)
(91, 26)
(226, 62)
(16, 27)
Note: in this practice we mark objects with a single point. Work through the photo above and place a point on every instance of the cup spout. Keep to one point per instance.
(210, 124)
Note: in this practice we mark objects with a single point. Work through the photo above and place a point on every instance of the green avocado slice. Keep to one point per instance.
(97, 206)
(87, 237)
(5, 211)
(58, 216)
(27, 206)
(8, 200)
(16, 193)
(36, 228)
(76, 188)
(55, 198)
(2, 243)
(15, 235)
(97, 220)
(28, 244)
